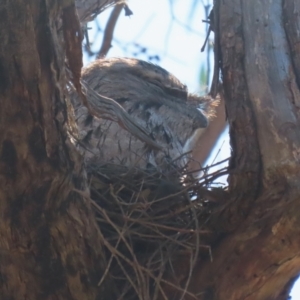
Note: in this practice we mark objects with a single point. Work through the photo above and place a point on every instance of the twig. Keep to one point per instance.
(217, 55)
(109, 30)
(143, 235)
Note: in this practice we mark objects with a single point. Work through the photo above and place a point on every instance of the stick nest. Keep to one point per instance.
(153, 228)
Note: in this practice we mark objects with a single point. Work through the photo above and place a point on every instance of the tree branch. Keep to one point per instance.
(210, 136)
(109, 30)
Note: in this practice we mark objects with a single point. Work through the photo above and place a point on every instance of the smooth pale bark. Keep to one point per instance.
(209, 138)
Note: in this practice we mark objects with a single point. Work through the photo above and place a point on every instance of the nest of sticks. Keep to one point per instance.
(151, 223)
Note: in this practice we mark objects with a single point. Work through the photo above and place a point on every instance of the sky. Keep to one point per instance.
(174, 34)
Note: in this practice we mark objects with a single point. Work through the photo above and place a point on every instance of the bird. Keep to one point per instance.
(155, 99)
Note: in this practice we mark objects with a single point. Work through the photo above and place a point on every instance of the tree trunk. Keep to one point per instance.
(50, 247)
(257, 256)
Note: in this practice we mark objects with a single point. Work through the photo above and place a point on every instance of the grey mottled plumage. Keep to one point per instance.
(155, 99)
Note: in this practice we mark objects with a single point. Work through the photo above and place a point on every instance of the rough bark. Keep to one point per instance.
(50, 246)
(258, 254)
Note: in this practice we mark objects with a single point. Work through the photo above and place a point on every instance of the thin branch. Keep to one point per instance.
(209, 138)
(109, 30)
(88, 10)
